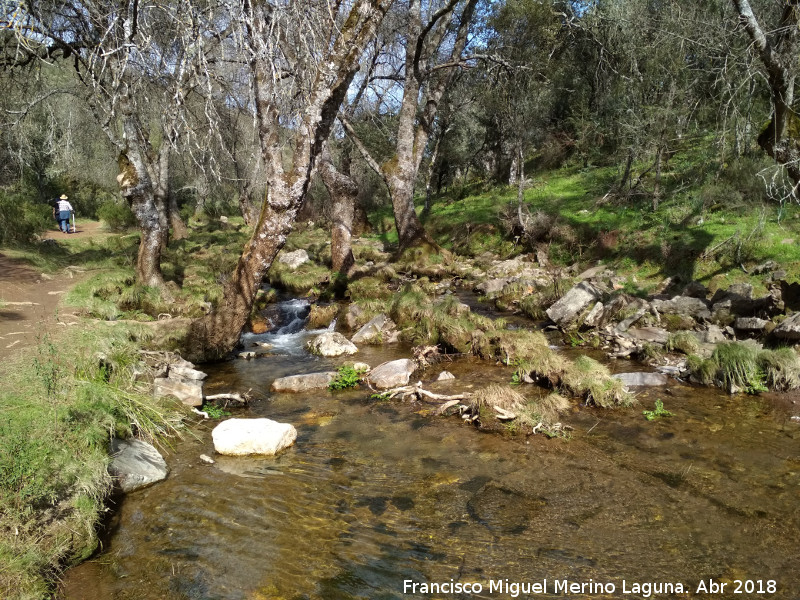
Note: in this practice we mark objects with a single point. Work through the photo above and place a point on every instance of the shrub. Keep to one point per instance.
(346, 377)
(21, 219)
(116, 214)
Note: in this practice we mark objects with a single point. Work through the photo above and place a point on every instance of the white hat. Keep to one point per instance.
(62, 197)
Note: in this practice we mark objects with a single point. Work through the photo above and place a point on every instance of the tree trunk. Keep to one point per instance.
(218, 334)
(521, 187)
(246, 205)
(778, 55)
(343, 192)
(657, 186)
(137, 188)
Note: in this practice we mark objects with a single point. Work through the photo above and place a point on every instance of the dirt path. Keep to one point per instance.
(30, 300)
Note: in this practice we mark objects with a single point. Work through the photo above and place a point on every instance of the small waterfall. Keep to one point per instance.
(294, 314)
(288, 335)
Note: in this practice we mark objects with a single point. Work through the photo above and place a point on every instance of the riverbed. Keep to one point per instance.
(376, 497)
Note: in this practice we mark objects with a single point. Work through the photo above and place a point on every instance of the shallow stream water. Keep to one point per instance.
(377, 494)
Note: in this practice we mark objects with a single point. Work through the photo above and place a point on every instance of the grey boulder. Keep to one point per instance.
(135, 464)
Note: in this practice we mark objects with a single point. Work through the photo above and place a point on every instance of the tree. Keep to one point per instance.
(303, 57)
(138, 62)
(777, 50)
(432, 49)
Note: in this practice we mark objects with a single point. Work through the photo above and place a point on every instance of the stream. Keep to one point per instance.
(376, 496)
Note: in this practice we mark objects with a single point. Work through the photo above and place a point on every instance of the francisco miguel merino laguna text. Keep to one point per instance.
(555, 586)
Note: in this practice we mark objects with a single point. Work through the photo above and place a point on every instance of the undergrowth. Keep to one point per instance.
(58, 410)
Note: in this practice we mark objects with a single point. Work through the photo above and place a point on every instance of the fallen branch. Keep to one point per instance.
(230, 397)
(504, 415)
(419, 393)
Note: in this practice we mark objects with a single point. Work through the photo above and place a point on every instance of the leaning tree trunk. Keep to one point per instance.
(343, 192)
(221, 330)
(219, 333)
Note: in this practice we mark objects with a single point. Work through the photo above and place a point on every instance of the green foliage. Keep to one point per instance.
(371, 288)
(704, 370)
(215, 412)
(738, 367)
(588, 379)
(346, 377)
(781, 368)
(116, 214)
(57, 413)
(21, 218)
(657, 413)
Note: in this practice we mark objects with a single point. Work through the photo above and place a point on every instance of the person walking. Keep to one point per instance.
(63, 210)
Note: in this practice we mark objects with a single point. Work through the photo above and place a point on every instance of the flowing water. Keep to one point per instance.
(377, 494)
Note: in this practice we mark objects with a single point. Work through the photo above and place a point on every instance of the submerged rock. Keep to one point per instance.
(445, 376)
(135, 464)
(330, 344)
(242, 437)
(392, 374)
(642, 379)
(302, 383)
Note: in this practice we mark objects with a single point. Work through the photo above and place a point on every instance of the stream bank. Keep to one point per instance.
(374, 493)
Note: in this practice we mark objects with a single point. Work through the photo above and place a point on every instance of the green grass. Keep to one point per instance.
(709, 223)
(60, 405)
(744, 367)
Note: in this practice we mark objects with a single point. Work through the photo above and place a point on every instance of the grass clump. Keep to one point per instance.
(781, 368)
(683, 341)
(369, 288)
(592, 381)
(738, 367)
(346, 377)
(425, 321)
(702, 370)
(306, 278)
(542, 414)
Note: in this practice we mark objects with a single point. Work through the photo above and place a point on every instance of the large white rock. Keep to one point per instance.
(331, 343)
(242, 437)
(392, 374)
(135, 464)
(294, 259)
